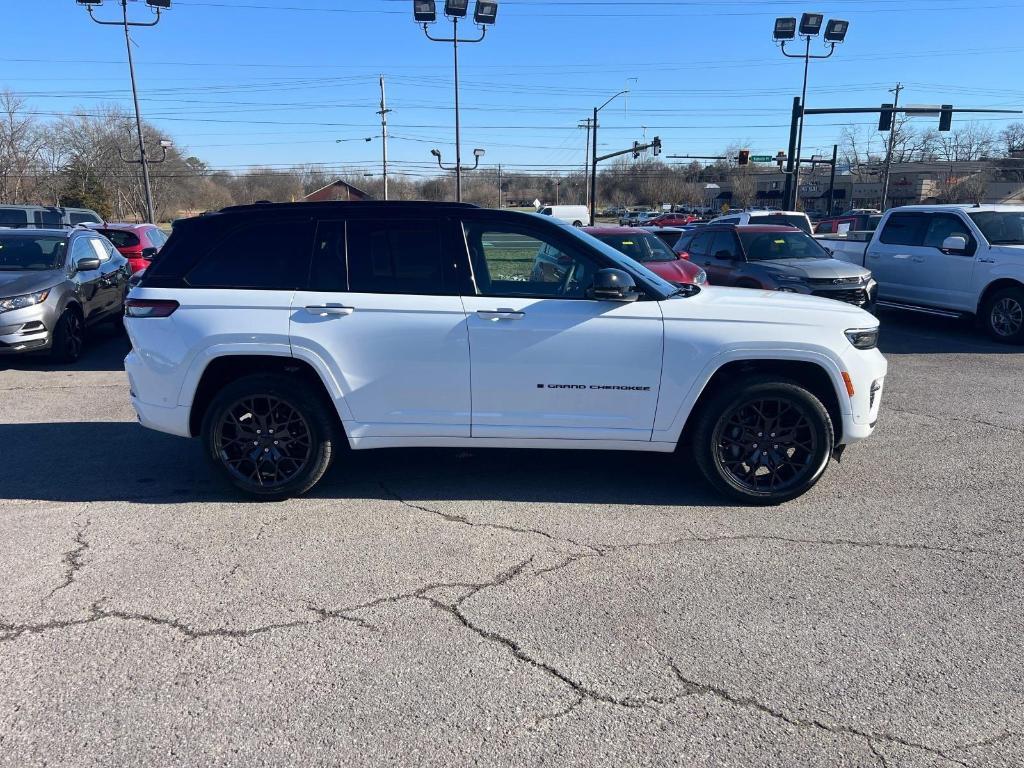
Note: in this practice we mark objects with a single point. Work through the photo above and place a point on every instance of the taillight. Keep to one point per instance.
(150, 307)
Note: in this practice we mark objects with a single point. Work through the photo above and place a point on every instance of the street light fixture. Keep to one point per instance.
(593, 156)
(477, 153)
(157, 6)
(486, 13)
(810, 27)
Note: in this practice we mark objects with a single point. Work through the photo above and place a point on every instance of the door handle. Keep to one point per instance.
(500, 314)
(901, 256)
(918, 259)
(330, 310)
(873, 255)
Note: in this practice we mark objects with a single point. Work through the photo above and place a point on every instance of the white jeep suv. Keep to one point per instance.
(279, 333)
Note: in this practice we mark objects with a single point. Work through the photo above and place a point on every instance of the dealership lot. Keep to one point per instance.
(499, 608)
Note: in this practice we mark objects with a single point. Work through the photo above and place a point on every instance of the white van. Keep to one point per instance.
(577, 215)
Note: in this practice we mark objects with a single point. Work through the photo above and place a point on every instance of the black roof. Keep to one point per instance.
(344, 205)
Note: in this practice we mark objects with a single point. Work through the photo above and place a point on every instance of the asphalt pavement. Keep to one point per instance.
(498, 608)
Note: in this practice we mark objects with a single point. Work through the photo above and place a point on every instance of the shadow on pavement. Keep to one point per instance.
(121, 461)
(907, 333)
(105, 350)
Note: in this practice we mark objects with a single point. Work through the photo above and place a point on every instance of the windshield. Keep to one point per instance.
(782, 220)
(662, 287)
(38, 254)
(643, 248)
(772, 246)
(1001, 227)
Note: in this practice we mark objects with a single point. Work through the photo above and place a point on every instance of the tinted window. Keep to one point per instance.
(12, 217)
(270, 255)
(389, 256)
(943, 225)
(701, 244)
(904, 229)
(83, 218)
(512, 262)
(782, 220)
(47, 218)
(120, 238)
(31, 253)
(328, 272)
(785, 244)
(724, 246)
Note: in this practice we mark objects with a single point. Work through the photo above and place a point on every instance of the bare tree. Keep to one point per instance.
(971, 142)
(1012, 137)
(744, 189)
(21, 144)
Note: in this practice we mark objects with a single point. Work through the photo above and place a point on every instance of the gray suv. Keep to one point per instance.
(54, 283)
(776, 258)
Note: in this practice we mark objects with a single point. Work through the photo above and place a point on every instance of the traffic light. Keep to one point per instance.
(744, 157)
(946, 117)
(657, 145)
(636, 150)
(781, 158)
(885, 118)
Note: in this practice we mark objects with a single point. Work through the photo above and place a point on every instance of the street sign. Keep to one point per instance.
(762, 159)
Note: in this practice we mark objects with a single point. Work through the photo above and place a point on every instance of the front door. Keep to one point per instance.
(383, 313)
(945, 278)
(546, 361)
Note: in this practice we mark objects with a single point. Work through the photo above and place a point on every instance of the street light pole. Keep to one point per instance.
(384, 133)
(892, 144)
(593, 156)
(143, 159)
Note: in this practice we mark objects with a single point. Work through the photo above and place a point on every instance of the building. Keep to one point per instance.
(337, 190)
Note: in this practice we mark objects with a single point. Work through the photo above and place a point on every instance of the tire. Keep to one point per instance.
(68, 337)
(577, 223)
(728, 451)
(1003, 315)
(251, 410)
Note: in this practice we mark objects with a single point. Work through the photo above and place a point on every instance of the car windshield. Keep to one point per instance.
(662, 287)
(1001, 227)
(782, 220)
(644, 248)
(772, 246)
(37, 254)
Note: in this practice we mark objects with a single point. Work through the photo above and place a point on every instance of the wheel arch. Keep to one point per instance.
(809, 374)
(995, 286)
(222, 370)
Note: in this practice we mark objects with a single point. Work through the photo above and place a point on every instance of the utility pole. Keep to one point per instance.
(499, 186)
(892, 143)
(832, 180)
(586, 160)
(384, 132)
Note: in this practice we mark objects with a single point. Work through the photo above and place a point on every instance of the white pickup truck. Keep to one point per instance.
(947, 260)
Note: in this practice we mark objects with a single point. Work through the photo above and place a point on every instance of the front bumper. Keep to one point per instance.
(867, 370)
(863, 296)
(25, 330)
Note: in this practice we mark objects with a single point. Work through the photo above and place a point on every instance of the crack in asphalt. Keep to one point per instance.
(749, 702)
(963, 419)
(1005, 736)
(73, 559)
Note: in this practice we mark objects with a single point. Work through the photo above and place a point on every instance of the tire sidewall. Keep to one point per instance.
(58, 344)
(1017, 294)
(316, 416)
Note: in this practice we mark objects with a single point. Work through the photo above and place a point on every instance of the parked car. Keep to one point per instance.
(648, 249)
(21, 216)
(778, 218)
(668, 235)
(853, 222)
(672, 220)
(419, 324)
(577, 215)
(139, 243)
(948, 260)
(54, 285)
(631, 218)
(776, 258)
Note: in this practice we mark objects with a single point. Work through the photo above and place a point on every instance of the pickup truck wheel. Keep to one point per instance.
(764, 442)
(270, 436)
(1004, 316)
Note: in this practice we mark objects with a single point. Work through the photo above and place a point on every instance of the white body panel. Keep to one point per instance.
(576, 215)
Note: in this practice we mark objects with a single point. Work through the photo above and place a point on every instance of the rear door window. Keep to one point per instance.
(701, 244)
(47, 218)
(724, 246)
(271, 255)
(904, 229)
(395, 256)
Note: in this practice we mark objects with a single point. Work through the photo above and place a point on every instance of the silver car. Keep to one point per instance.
(54, 284)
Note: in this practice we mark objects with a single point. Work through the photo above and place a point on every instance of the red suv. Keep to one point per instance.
(138, 243)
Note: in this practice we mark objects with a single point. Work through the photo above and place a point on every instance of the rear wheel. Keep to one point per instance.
(68, 337)
(764, 442)
(1003, 315)
(577, 223)
(270, 436)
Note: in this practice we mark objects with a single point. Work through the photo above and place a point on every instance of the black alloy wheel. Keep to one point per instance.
(270, 434)
(68, 337)
(765, 442)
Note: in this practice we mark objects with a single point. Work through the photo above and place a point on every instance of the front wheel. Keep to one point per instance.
(1003, 316)
(764, 442)
(68, 337)
(270, 435)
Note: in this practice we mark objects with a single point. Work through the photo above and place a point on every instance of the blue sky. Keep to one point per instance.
(275, 82)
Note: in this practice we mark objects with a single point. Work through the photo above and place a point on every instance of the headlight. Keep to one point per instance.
(863, 338)
(701, 278)
(20, 302)
(788, 278)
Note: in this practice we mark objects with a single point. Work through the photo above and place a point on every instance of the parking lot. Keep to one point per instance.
(515, 608)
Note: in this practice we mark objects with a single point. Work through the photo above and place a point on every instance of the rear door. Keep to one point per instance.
(547, 362)
(382, 312)
(89, 281)
(890, 256)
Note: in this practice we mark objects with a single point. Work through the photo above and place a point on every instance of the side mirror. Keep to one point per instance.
(150, 253)
(613, 285)
(956, 243)
(87, 264)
